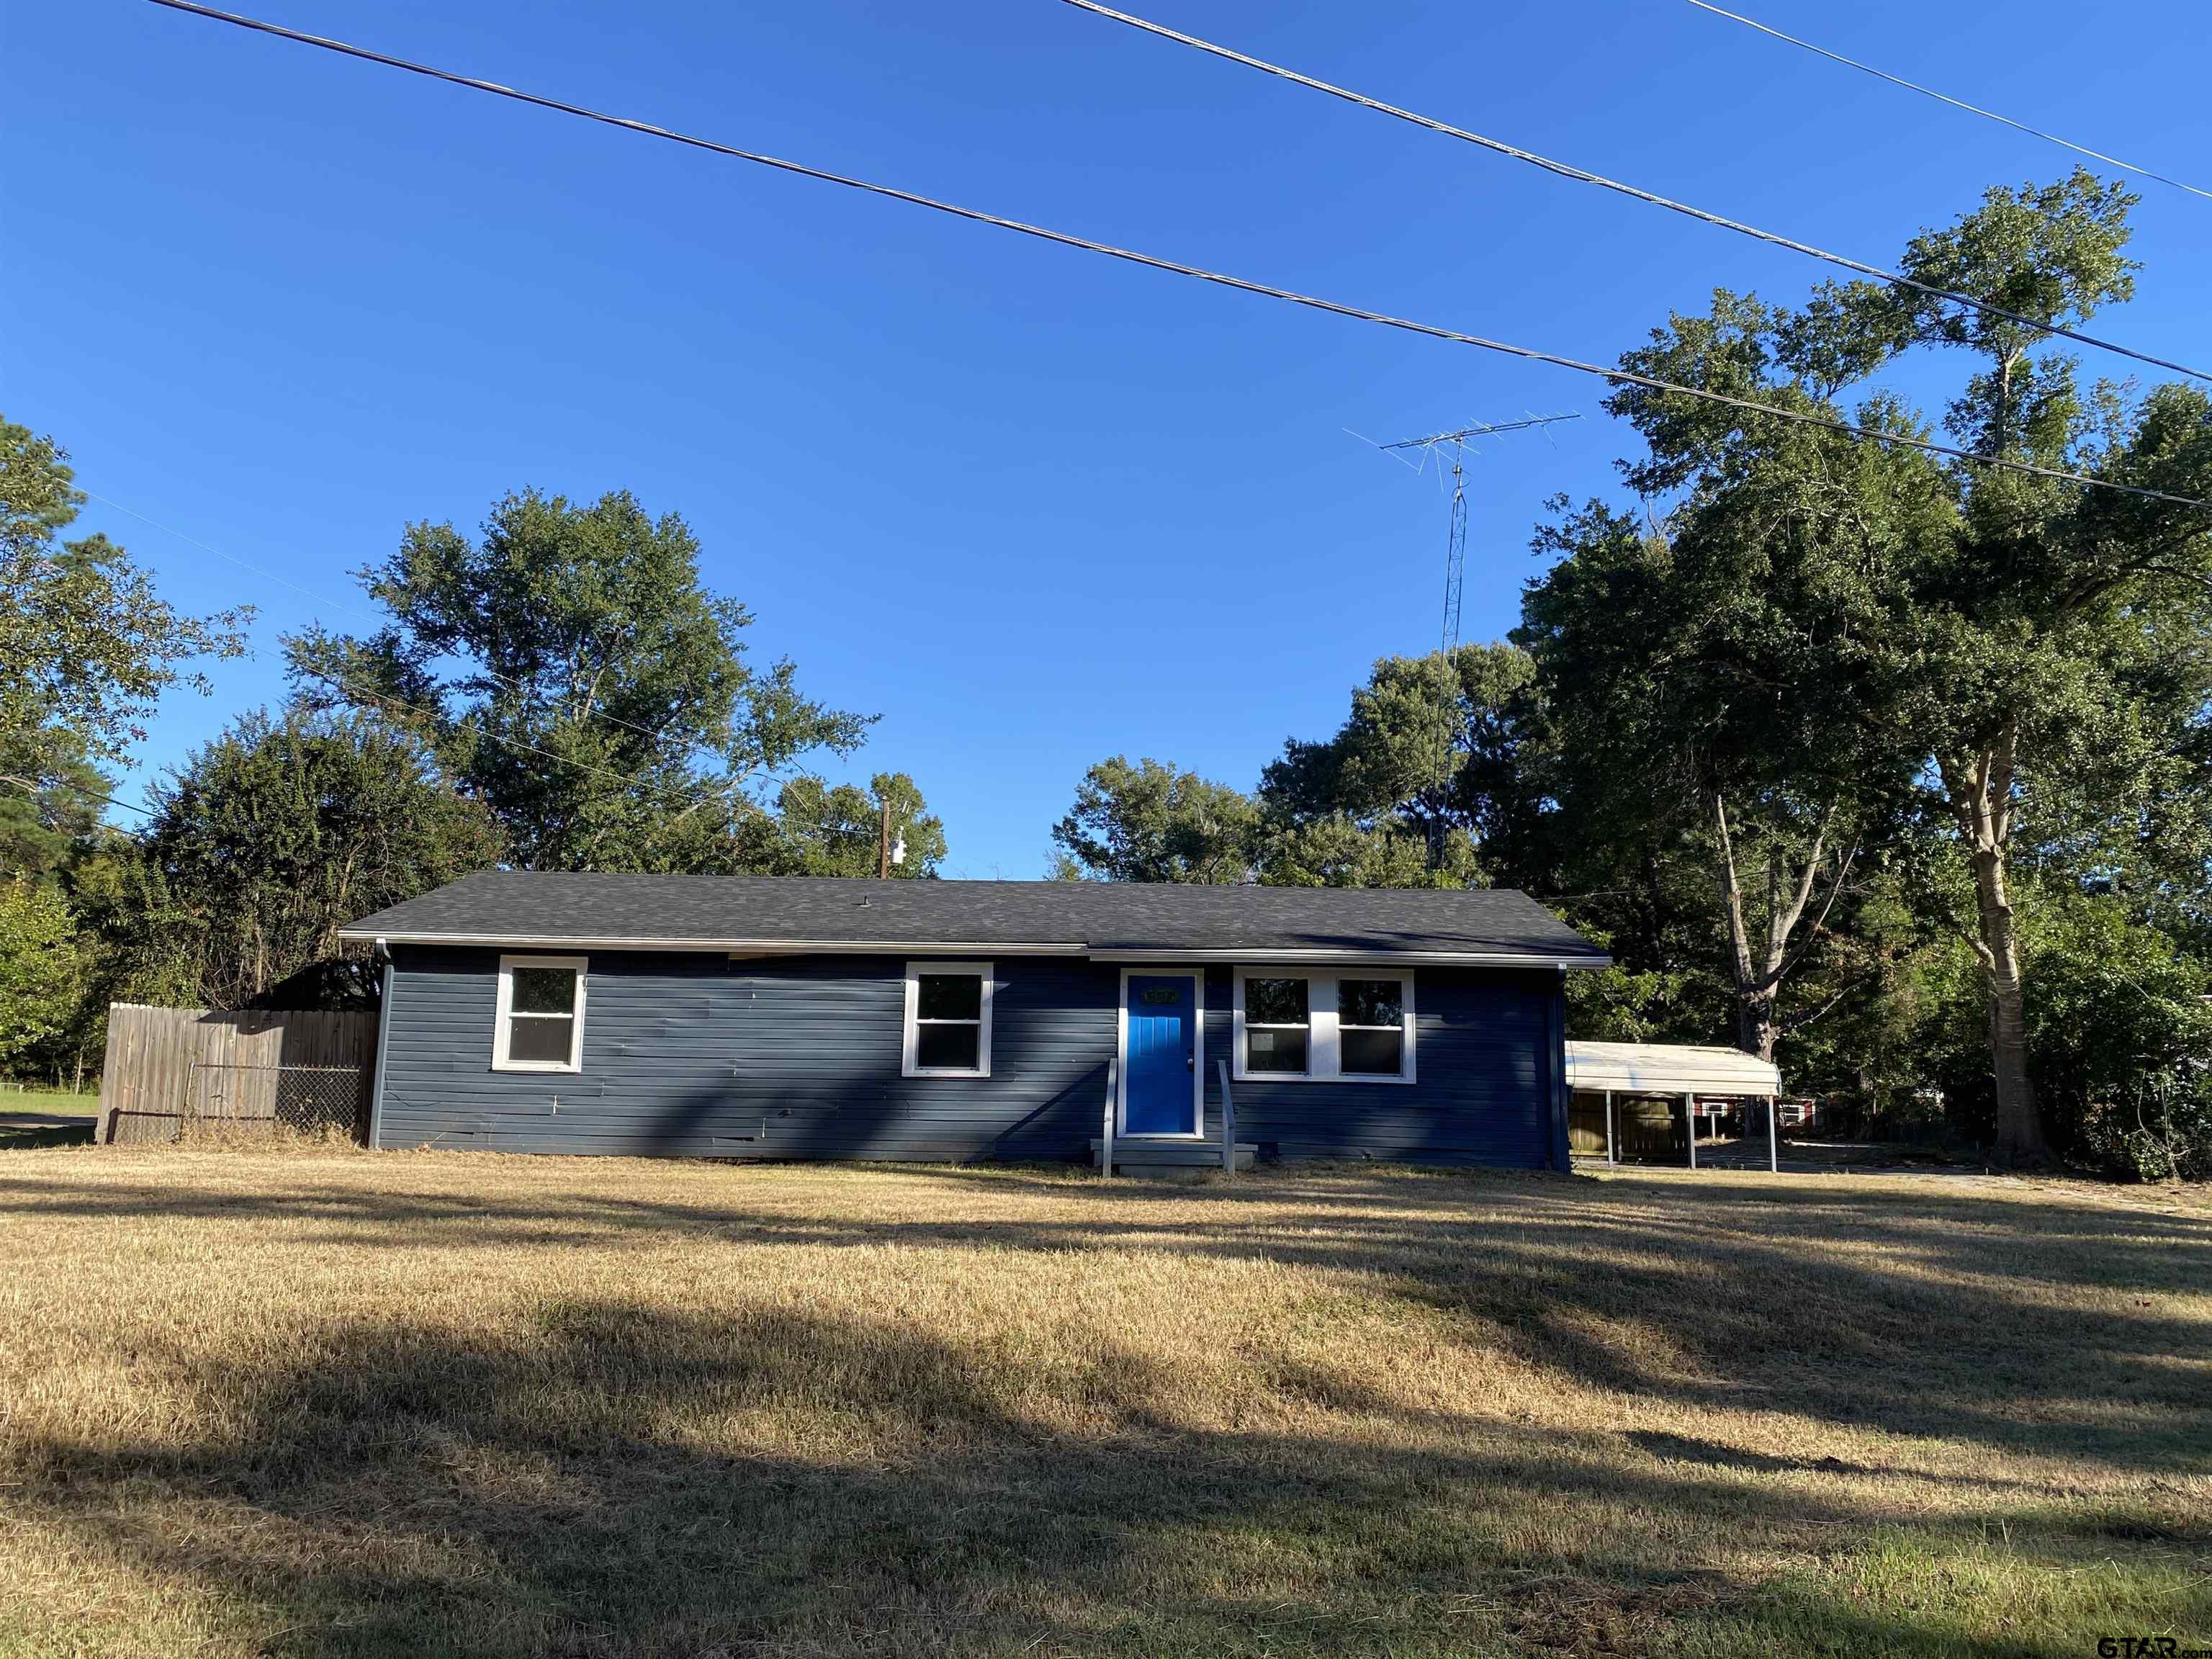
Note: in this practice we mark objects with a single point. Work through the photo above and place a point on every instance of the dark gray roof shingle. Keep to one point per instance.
(525, 907)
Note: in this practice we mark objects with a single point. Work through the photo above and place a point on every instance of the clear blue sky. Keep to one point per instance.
(1033, 507)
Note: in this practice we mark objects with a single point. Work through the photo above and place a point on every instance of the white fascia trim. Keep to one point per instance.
(1360, 958)
(787, 947)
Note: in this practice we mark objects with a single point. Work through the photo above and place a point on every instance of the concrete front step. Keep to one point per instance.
(1134, 1153)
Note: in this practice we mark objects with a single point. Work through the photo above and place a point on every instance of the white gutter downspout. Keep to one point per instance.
(383, 1048)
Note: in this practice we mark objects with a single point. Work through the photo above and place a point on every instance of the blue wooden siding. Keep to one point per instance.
(798, 1057)
(1487, 1058)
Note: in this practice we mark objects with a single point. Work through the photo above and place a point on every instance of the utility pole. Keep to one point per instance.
(891, 849)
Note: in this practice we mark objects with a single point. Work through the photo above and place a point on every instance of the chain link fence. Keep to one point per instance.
(178, 1073)
(312, 1099)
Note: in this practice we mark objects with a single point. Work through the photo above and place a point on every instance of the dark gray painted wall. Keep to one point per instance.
(799, 1057)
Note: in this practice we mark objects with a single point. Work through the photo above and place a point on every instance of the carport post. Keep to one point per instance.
(1609, 1156)
(1690, 1119)
(1773, 1135)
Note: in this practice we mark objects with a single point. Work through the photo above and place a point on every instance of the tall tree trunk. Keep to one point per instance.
(1752, 1021)
(1756, 1027)
(1759, 973)
(1981, 797)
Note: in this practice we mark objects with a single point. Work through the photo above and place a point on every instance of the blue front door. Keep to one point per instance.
(1162, 1063)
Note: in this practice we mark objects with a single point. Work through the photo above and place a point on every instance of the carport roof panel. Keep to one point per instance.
(1668, 1068)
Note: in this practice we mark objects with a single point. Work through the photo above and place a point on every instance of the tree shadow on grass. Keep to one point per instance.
(621, 1480)
(24, 1132)
(2037, 1327)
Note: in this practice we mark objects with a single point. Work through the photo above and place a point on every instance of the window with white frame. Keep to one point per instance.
(948, 1020)
(1277, 1032)
(540, 1026)
(1371, 1038)
(1353, 1026)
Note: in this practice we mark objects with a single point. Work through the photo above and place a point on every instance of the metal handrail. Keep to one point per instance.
(1106, 1134)
(1227, 1119)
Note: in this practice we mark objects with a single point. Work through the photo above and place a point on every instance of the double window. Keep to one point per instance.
(540, 1024)
(1356, 1025)
(948, 1020)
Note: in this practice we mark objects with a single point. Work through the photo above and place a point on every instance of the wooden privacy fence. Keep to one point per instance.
(171, 1069)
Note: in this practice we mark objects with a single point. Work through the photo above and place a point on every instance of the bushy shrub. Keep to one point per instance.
(40, 969)
(2120, 1039)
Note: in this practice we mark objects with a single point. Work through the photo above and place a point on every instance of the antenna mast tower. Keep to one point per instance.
(1436, 445)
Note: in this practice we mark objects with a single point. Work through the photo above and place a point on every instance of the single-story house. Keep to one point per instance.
(762, 1016)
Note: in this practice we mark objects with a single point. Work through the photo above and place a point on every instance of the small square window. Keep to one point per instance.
(1275, 1001)
(949, 996)
(947, 1047)
(1280, 1048)
(1371, 1053)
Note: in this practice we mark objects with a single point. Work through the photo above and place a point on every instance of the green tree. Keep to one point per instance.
(1151, 822)
(273, 838)
(53, 814)
(1436, 748)
(2120, 1038)
(1340, 851)
(87, 646)
(575, 675)
(1708, 677)
(819, 829)
(41, 968)
(2011, 652)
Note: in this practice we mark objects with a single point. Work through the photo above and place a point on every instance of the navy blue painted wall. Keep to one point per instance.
(799, 1057)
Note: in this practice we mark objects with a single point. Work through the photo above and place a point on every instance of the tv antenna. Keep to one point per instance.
(1438, 447)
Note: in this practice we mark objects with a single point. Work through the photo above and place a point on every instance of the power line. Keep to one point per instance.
(626, 780)
(1946, 98)
(33, 787)
(1623, 376)
(1581, 175)
(347, 688)
(507, 681)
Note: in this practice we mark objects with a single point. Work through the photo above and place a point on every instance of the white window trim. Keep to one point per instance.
(1311, 1028)
(503, 1024)
(1323, 1050)
(1197, 978)
(910, 1026)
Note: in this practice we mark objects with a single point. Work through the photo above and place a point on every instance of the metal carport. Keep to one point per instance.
(1673, 1071)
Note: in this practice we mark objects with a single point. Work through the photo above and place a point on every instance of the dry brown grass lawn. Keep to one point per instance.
(345, 1403)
